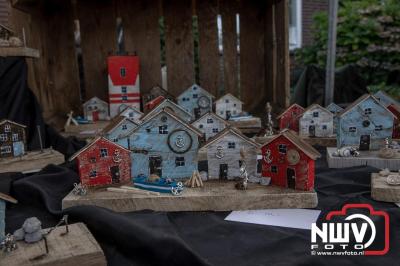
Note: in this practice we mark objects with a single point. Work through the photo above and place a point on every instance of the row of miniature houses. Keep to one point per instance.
(365, 123)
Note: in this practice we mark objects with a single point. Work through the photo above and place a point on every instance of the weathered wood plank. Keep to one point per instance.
(98, 33)
(179, 45)
(19, 51)
(380, 190)
(228, 10)
(209, 58)
(214, 196)
(270, 52)
(252, 70)
(142, 35)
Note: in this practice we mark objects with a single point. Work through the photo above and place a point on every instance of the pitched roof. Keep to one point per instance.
(226, 131)
(7, 198)
(315, 105)
(95, 98)
(131, 65)
(335, 106)
(360, 100)
(6, 27)
(298, 142)
(199, 87)
(214, 116)
(228, 95)
(91, 144)
(154, 110)
(130, 108)
(115, 122)
(11, 122)
(290, 107)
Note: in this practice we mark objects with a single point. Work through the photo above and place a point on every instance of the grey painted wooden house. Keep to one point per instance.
(169, 105)
(196, 101)
(118, 128)
(224, 155)
(335, 110)
(227, 106)
(316, 121)
(131, 113)
(366, 123)
(164, 145)
(95, 109)
(385, 99)
(210, 124)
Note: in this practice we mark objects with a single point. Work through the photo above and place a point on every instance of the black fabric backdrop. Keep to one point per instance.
(179, 238)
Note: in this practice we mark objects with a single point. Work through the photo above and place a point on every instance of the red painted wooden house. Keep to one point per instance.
(395, 109)
(103, 162)
(289, 161)
(123, 82)
(290, 118)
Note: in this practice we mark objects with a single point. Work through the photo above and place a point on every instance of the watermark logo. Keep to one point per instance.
(357, 229)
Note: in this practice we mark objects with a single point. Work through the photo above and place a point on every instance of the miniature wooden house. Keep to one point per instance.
(366, 123)
(153, 103)
(395, 109)
(156, 92)
(103, 162)
(196, 101)
(289, 119)
(118, 128)
(210, 124)
(131, 113)
(316, 121)
(164, 145)
(12, 139)
(123, 82)
(228, 106)
(95, 109)
(384, 98)
(3, 199)
(224, 155)
(335, 110)
(169, 105)
(289, 161)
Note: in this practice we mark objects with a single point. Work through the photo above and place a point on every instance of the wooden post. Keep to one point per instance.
(331, 53)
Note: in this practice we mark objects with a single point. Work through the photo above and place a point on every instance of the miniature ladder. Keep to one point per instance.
(195, 180)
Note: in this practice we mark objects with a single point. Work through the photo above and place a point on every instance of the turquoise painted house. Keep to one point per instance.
(171, 106)
(196, 101)
(335, 110)
(366, 123)
(118, 129)
(164, 145)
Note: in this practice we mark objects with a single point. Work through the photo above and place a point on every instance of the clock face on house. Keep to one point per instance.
(293, 157)
(179, 141)
(203, 102)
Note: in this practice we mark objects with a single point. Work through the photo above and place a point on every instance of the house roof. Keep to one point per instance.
(298, 142)
(214, 116)
(360, 100)
(131, 65)
(288, 109)
(200, 88)
(335, 106)
(91, 144)
(226, 131)
(148, 114)
(95, 98)
(315, 105)
(6, 28)
(7, 198)
(228, 95)
(11, 122)
(115, 122)
(130, 108)
(174, 116)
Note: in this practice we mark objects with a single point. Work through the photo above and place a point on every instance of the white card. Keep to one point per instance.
(292, 218)
(398, 204)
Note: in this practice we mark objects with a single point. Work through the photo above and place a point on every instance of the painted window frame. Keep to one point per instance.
(103, 152)
(180, 161)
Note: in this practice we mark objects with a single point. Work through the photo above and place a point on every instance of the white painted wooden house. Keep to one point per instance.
(228, 106)
(170, 106)
(210, 124)
(196, 100)
(316, 121)
(95, 109)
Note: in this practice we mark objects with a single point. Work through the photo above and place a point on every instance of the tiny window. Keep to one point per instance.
(274, 169)
(282, 148)
(103, 152)
(3, 137)
(324, 127)
(7, 128)
(148, 130)
(93, 174)
(240, 163)
(131, 114)
(221, 113)
(163, 129)
(92, 159)
(201, 126)
(195, 96)
(368, 111)
(124, 98)
(180, 161)
(194, 88)
(227, 101)
(164, 118)
(95, 107)
(215, 130)
(234, 112)
(15, 137)
(210, 121)
(122, 71)
(315, 114)
(5, 149)
(352, 129)
(115, 140)
(124, 127)
(379, 128)
(90, 108)
(231, 145)
(123, 89)
(259, 166)
(234, 104)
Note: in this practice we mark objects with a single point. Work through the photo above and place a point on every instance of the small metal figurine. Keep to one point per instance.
(79, 189)
(243, 173)
(8, 244)
(269, 124)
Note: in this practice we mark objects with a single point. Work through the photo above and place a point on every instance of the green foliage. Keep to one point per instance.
(368, 34)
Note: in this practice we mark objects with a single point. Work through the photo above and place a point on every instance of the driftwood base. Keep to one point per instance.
(325, 142)
(369, 158)
(249, 126)
(19, 51)
(31, 162)
(381, 191)
(78, 247)
(214, 196)
(85, 131)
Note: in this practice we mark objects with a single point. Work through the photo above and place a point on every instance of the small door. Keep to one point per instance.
(18, 148)
(95, 115)
(155, 165)
(223, 172)
(311, 131)
(197, 112)
(228, 115)
(365, 141)
(291, 178)
(115, 174)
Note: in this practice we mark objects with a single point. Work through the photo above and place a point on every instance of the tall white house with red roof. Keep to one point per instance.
(123, 82)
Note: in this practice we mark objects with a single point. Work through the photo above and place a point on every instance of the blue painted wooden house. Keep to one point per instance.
(171, 106)
(164, 145)
(335, 110)
(366, 123)
(118, 129)
(3, 199)
(196, 101)
(385, 99)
